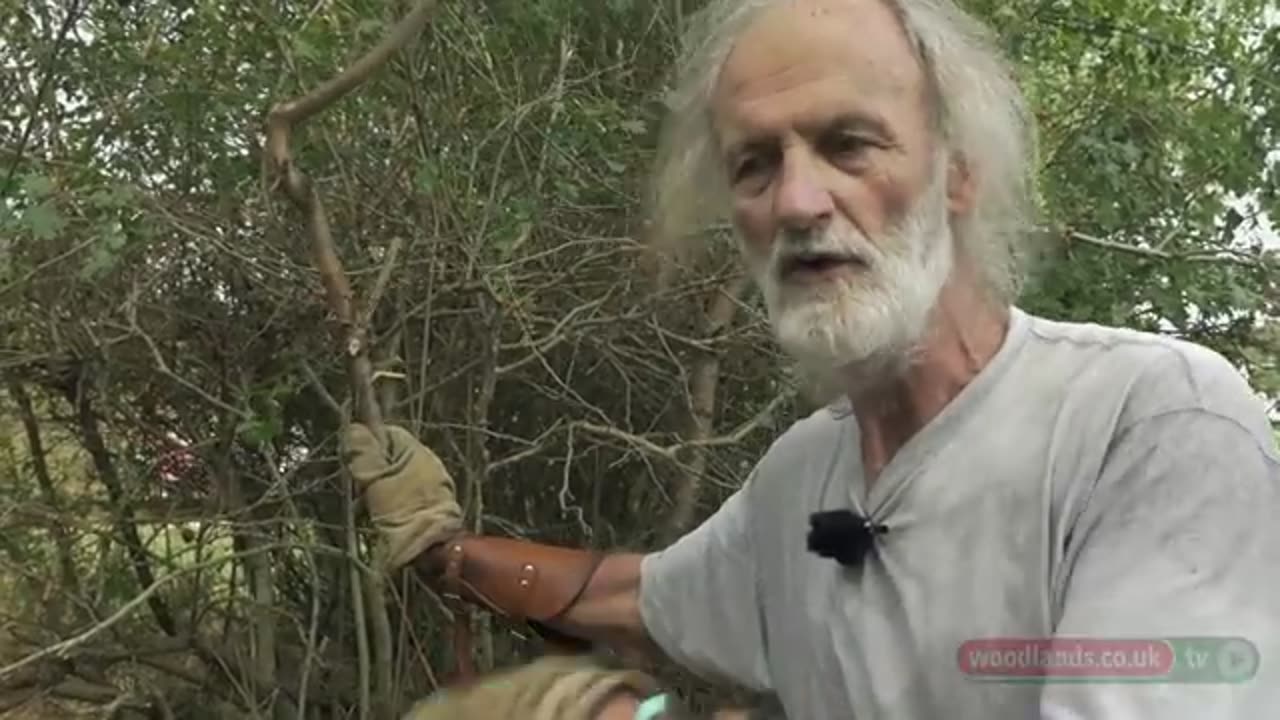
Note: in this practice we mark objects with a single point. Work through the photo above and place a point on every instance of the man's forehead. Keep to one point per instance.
(798, 42)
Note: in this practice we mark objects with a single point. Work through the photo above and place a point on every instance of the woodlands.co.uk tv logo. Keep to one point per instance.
(1065, 659)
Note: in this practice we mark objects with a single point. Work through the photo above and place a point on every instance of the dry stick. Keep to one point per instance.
(384, 277)
(62, 649)
(35, 448)
(281, 122)
(357, 597)
(704, 382)
(1224, 255)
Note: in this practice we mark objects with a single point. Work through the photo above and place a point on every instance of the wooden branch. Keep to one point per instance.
(35, 446)
(384, 277)
(63, 648)
(1225, 255)
(126, 525)
(704, 382)
(671, 452)
(283, 119)
(281, 122)
(47, 80)
(357, 595)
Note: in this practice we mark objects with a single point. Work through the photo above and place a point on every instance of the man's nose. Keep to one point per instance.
(801, 201)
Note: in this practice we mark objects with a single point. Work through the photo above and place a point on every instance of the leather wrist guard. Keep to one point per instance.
(518, 579)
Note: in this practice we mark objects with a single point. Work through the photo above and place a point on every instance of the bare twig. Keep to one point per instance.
(357, 595)
(384, 277)
(134, 328)
(536, 446)
(566, 493)
(63, 649)
(281, 122)
(1224, 255)
(78, 397)
(78, 247)
(321, 390)
(701, 394)
(46, 80)
(669, 452)
(36, 449)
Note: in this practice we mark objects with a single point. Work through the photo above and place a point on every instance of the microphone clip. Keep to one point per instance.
(843, 535)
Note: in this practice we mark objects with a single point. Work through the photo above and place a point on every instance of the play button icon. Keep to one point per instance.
(1237, 660)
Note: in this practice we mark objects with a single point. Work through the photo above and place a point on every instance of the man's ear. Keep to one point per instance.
(961, 186)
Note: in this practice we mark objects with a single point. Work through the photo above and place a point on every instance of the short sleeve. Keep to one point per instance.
(1179, 543)
(698, 598)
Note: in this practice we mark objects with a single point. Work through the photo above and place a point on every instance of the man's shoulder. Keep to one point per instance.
(1151, 374)
(807, 446)
(821, 428)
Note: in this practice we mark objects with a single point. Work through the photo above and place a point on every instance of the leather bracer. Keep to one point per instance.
(520, 579)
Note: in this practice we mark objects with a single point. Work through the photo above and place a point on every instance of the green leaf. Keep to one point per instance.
(101, 260)
(259, 430)
(37, 186)
(113, 197)
(426, 177)
(44, 221)
(304, 49)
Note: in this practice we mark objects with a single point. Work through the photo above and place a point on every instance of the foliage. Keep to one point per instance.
(158, 296)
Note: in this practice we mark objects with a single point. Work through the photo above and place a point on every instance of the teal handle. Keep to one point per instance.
(652, 708)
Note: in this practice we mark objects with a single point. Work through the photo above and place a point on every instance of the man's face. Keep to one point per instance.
(838, 193)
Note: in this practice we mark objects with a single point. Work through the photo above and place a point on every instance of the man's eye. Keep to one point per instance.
(845, 144)
(746, 168)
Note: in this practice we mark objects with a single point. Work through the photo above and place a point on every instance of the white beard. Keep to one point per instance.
(855, 331)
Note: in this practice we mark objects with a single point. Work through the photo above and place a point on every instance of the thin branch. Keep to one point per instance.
(544, 345)
(741, 432)
(165, 370)
(50, 72)
(49, 263)
(36, 449)
(281, 122)
(63, 649)
(639, 441)
(321, 390)
(669, 452)
(384, 277)
(536, 446)
(566, 493)
(126, 525)
(1213, 256)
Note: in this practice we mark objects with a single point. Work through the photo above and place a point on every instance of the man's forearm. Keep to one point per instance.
(608, 610)
(584, 594)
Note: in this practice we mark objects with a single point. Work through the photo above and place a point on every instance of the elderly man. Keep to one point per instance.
(987, 497)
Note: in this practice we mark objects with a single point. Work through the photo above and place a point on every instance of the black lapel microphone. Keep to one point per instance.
(843, 535)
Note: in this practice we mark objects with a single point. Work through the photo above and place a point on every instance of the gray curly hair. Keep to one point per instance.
(977, 110)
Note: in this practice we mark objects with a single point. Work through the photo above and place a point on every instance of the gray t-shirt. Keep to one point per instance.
(1091, 482)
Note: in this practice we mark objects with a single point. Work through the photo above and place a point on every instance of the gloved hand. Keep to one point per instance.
(410, 495)
(551, 688)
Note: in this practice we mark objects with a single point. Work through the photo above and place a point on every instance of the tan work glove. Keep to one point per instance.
(410, 495)
(551, 688)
